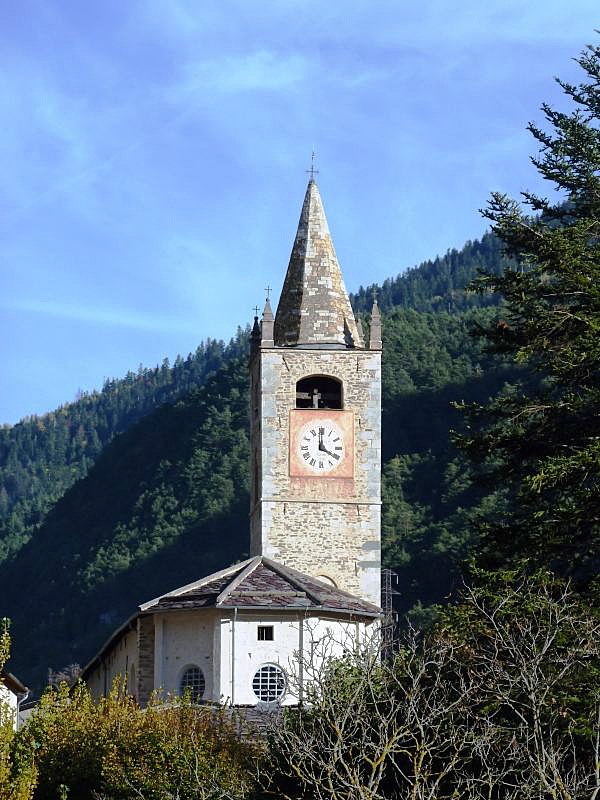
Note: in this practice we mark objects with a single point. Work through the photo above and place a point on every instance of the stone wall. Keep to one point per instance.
(145, 671)
(321, 526)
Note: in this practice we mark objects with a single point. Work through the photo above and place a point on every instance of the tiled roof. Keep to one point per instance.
(261, 583)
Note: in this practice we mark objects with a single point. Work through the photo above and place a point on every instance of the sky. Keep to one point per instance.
(153, 157)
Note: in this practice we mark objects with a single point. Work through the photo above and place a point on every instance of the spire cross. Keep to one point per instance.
(312, 171)
(268, 290)
(256, 310)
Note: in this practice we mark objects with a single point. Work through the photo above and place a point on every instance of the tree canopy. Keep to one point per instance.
(541, 439)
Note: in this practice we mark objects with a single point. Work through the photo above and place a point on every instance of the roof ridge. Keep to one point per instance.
(251, 566)
(283, 572)
(197, 584)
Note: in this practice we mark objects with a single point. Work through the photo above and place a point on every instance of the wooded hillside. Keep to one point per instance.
(167, 497)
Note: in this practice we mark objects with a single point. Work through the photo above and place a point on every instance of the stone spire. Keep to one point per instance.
(267, 326)
(255, 337)
(375, 334)
(314, 307)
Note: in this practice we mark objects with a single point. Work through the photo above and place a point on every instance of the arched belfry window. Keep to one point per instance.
(319, 391)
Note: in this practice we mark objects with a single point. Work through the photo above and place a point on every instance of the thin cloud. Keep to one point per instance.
(262, 70)
(112, 317)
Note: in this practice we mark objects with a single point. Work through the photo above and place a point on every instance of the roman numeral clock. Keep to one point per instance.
(321, 444)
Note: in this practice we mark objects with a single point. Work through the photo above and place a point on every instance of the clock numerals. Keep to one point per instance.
(321, 447)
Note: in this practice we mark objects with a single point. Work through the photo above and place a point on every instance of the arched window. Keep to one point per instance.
(319, 391)
(192, 681)
(268, 683)
(326, 579)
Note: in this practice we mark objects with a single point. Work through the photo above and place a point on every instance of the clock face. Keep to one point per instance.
(321, 446)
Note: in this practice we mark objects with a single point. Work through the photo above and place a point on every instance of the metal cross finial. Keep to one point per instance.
(268, 290)
(312, 171)
(256, 310)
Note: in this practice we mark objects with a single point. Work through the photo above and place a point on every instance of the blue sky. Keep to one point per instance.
(153, 158)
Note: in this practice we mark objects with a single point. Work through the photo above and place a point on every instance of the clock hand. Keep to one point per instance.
(325, 450)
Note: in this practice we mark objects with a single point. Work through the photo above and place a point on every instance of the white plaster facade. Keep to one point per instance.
(9, 703)
(227, 648)
(12, 693)
(120, 661)
(184, 639)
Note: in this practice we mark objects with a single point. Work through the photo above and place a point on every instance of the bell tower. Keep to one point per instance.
(316, 421)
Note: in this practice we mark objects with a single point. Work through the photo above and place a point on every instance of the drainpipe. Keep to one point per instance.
(301, 660)
(21, 699)
(233, 653)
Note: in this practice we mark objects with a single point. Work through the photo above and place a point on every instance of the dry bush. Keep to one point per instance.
(498, 701)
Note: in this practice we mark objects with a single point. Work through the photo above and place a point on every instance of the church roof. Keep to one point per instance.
(12, 683)
(256, 584)
(260, 583)
(314, 307)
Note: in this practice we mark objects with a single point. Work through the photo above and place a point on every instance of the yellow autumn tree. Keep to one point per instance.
(17, 771)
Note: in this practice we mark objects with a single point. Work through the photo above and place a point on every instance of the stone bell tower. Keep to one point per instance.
(316, 422)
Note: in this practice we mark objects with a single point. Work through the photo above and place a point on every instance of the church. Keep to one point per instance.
(233, 637)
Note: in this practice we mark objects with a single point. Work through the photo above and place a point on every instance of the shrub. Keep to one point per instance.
(17, 772)
(115, 750)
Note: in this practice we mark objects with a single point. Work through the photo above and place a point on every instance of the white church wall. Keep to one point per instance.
(95, 682)
(242, 653)
(251, 653)
(117, 662)
(184, 639)
(8, 705)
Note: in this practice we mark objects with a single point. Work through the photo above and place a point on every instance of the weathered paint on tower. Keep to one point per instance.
(326, 525)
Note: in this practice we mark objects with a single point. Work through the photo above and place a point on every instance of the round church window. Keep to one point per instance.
(268, 683)
(192, 681)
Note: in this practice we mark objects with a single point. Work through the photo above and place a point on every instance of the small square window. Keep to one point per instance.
(265, 633)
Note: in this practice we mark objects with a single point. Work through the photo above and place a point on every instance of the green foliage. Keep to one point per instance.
(18, 775)
(438, 285)
(4, 641)
(41, 457)
(541, 439)
(113, 749)
(430, 502)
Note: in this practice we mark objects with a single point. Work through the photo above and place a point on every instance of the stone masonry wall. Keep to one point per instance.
(145, 646)
(310, 525)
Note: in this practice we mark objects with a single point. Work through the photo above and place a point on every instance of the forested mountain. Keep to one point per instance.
(438, 285)
(167, 501)
(42, 456)
(167, 497)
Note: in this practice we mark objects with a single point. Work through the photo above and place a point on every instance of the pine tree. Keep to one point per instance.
(542, 438)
